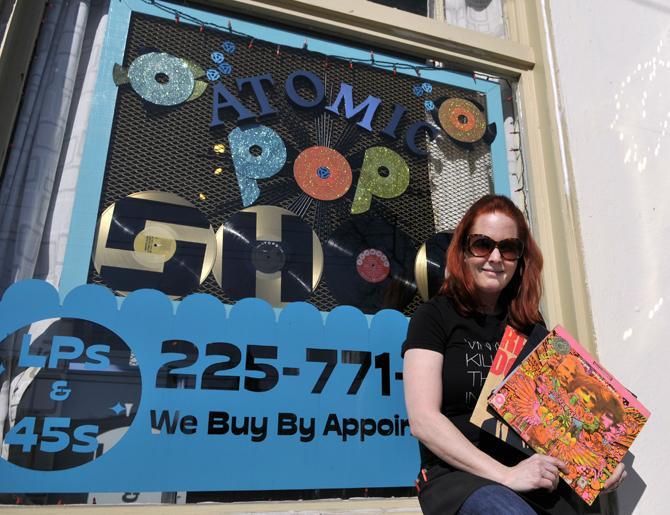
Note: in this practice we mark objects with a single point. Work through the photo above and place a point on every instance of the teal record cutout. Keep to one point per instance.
(161, 78)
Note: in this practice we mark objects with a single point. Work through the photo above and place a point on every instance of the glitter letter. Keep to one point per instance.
(391, 184)
(266, 162)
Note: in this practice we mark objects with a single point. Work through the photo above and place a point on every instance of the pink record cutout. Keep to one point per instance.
(373, 265)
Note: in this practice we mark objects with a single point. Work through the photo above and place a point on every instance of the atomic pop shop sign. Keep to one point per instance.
(242, 167)
(141, 398)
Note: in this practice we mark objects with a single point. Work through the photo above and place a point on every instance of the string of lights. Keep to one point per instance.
(392, 66)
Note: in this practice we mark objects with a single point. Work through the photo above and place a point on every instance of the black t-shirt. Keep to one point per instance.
(468, 344)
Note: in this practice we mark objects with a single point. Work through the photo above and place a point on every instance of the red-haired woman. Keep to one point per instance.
(494, 269)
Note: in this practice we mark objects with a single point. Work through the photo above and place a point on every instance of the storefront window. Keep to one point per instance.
(485, 16)
(255, 212)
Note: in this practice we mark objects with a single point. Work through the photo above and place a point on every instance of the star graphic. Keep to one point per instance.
(117, 408)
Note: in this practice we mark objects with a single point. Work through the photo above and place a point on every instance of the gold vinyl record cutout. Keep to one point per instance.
(154, 239)
(270, 253)
(430, 267)
(421, 273)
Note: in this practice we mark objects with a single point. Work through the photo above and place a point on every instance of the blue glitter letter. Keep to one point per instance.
(370, 106)
(250, 167)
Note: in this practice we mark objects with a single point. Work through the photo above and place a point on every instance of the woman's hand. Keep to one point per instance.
(615, 479)
(538, 471)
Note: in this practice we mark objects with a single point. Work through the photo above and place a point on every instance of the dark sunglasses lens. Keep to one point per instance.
(481, 246)
(511, 249)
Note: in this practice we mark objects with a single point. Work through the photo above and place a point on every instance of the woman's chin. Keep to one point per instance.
(490, 286)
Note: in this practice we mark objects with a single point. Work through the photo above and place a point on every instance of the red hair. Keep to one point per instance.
(521, 297)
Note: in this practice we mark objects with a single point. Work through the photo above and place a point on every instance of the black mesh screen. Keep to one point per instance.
(171, 149)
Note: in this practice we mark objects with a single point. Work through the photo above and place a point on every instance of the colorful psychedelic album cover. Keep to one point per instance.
(564, 404)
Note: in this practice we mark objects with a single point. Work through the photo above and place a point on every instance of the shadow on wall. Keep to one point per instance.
(629, 494)
(660, 6)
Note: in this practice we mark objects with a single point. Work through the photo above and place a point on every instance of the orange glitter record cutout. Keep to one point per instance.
(459, 117)
(462, 120)
(322, 173)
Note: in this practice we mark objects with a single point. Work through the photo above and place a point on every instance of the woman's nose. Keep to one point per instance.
(495, 255)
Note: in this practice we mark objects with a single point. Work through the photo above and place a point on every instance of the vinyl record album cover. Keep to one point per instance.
(564, 404)
(512, 345)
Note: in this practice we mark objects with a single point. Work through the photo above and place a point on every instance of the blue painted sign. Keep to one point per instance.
(147, 397)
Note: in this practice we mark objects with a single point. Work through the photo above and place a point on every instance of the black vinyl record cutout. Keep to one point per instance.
(270, 253)
(430, 266)
(154, 239)
(369, 264)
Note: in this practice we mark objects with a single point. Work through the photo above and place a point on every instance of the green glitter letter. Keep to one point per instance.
(384, 174)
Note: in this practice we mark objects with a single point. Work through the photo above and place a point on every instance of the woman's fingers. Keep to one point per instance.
(616, 478)
(546, 483)
(553, 469)
(551, 478)
(550, 473)
(558, 463)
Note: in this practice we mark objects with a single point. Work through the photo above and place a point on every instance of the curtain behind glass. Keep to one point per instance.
(484, 16)
(37, 190)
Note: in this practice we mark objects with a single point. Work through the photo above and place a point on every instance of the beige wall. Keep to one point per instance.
(613, 71)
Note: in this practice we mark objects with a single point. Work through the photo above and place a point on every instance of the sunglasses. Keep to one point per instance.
(480, 245)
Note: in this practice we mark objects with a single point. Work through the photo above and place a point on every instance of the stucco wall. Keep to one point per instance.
(612, 64)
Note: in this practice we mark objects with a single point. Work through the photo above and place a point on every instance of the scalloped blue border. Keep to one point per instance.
(143, 461)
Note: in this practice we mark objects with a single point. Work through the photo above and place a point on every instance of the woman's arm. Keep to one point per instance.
(422, 376)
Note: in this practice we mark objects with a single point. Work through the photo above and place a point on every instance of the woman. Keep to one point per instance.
(494, 279)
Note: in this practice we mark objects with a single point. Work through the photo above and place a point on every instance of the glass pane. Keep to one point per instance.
(486, 16)
(419, 7)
